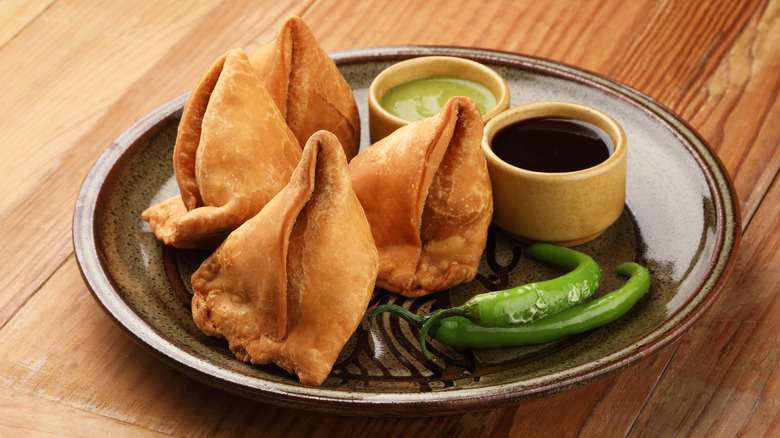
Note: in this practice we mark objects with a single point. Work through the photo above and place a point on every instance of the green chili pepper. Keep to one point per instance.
(533, 301)
(525, 303)
(457, 331)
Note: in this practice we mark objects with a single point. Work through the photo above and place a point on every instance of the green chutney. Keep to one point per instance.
(420, 98)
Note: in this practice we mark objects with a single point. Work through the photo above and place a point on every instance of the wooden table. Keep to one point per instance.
(75, 74)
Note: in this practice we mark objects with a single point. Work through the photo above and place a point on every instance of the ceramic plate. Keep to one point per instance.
(681, 221)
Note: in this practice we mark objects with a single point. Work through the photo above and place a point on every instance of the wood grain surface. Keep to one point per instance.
(75, 74)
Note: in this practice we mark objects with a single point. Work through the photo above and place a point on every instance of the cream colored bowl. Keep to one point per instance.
(382, 123)
(566, 208)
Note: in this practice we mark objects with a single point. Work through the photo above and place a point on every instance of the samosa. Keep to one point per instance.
(426, 192)
(307, 86)
(291, 285)
(233, 153)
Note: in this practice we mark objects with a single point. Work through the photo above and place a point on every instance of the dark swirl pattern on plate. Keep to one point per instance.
(389, 353)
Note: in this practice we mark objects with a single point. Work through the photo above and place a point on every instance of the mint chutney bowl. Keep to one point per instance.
(416, 88)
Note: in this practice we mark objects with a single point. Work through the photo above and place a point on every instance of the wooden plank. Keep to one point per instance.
(38, 222)
(15, 15)
(727, 363)
(723, 378)
(738, 110)
(68, 352)
(26, 415)
(615, 414)
(681, 44)
(552, 29)
(71, 45)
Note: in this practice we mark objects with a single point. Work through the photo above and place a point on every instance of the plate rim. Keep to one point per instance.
(728, 232)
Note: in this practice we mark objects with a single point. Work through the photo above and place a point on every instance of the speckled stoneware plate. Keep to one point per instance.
(681, 221)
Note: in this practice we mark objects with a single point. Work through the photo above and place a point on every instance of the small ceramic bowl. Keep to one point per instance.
(382, 122)
(563, 208)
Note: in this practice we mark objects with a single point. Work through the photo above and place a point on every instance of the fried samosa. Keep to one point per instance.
(233, 153)
(426, 192)
(307, 86)
(291, 285)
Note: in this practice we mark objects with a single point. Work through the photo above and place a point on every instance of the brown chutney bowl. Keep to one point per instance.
(561, 208)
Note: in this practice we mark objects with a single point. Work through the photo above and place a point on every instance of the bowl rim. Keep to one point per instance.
(562, 110)
(374, 100)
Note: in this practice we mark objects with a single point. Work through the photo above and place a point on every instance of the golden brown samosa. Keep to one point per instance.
(291, 285)
(307, 86)
(426, 192)
(233, 153)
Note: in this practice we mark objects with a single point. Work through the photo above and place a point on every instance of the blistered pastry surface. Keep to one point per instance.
(233, 153)
(291, 285)
(427, 194)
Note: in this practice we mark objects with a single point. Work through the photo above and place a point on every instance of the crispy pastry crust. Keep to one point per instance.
(307, 86)
(427, 195)
(233, 153)
(291, 285)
